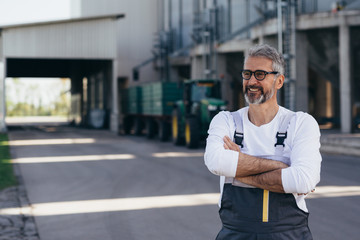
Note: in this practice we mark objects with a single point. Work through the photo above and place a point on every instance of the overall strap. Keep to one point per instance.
(239, 132)
(281, 135)
(238, 139)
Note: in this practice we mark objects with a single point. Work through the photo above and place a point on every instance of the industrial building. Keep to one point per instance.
(319, 40)
(110, 45)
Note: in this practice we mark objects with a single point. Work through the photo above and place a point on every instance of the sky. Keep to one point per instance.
(24, 11)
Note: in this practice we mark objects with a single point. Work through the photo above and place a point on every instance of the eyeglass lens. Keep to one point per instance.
(259, 75)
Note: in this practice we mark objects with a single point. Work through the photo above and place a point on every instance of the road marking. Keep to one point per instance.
(50, 141)
(73, 158)
(143, 203)
(335, 191)
(177, 154)
(114, 205)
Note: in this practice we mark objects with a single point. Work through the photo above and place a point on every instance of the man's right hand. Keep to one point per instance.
(230, 145)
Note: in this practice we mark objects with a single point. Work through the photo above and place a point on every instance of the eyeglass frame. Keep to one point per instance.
(253, 72)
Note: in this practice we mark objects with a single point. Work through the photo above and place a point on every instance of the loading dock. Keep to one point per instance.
(82, 49)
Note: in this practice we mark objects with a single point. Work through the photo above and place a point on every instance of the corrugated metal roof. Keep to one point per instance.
(79, 19)
(93, 37)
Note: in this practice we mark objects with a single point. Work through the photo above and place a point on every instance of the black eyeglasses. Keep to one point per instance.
(259, 74)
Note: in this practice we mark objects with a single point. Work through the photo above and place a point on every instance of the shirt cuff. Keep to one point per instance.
(287, 181)
(229, 163)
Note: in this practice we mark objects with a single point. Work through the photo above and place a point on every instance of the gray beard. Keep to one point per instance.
(263, 97)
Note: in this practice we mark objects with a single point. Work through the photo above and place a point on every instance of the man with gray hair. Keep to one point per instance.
(267, 157)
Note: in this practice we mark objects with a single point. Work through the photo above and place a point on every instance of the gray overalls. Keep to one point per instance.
(249, 213)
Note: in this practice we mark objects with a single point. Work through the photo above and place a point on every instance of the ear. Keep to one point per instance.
(280, 81)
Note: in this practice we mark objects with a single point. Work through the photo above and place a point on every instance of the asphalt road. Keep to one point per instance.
(335, 215)
(91, 184)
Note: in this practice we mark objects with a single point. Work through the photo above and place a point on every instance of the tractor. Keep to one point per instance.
(191, 116)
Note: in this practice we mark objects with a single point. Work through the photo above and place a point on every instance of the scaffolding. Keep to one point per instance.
(208, 20)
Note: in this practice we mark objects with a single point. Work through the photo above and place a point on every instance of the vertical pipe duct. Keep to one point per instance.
(213, 53)
(279, 22)
(170, 15)
(169, 44)
(161, 15)
(248, 17)
(293, 53)
(229, 15)
(180, 37)
(204, 38)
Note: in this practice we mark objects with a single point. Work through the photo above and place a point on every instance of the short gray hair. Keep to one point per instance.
(264, 50)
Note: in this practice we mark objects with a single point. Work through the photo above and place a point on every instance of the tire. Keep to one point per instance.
(127, 125)
(177, 133)
(150, 128)
(138, 126)
(164, 131)
(192, 135)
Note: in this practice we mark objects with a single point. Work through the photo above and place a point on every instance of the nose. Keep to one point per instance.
(252, 79)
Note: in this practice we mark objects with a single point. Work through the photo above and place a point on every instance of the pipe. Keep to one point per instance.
(279, 18)
(180, 45)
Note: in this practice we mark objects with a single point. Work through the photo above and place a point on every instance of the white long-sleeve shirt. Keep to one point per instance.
(301, 150)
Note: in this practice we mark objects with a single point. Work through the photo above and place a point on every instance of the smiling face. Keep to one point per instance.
(259, 92)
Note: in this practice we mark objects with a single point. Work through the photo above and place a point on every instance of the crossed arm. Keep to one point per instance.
(301, 177)
(257, 172)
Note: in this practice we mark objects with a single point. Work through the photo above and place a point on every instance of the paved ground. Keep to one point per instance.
(17, 226)
(91, 184)
(340, 143)
(73, 198)
(334, 209)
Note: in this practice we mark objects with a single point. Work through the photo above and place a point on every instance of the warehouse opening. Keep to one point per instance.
(79, 89)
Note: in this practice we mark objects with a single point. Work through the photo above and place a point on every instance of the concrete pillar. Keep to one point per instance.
(174, 76)
(345, 81)
(196, 68)
(114, 118)
(76, 99)
(226, 91)
(262, 37)
(302, 92)
(2, 96)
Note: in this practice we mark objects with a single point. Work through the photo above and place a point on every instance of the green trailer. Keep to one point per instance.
(149, 107)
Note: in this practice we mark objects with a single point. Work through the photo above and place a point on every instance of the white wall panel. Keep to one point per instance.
(136, 38)
(96, 7)
(73, 39)
(136, 32)
(1, 47)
